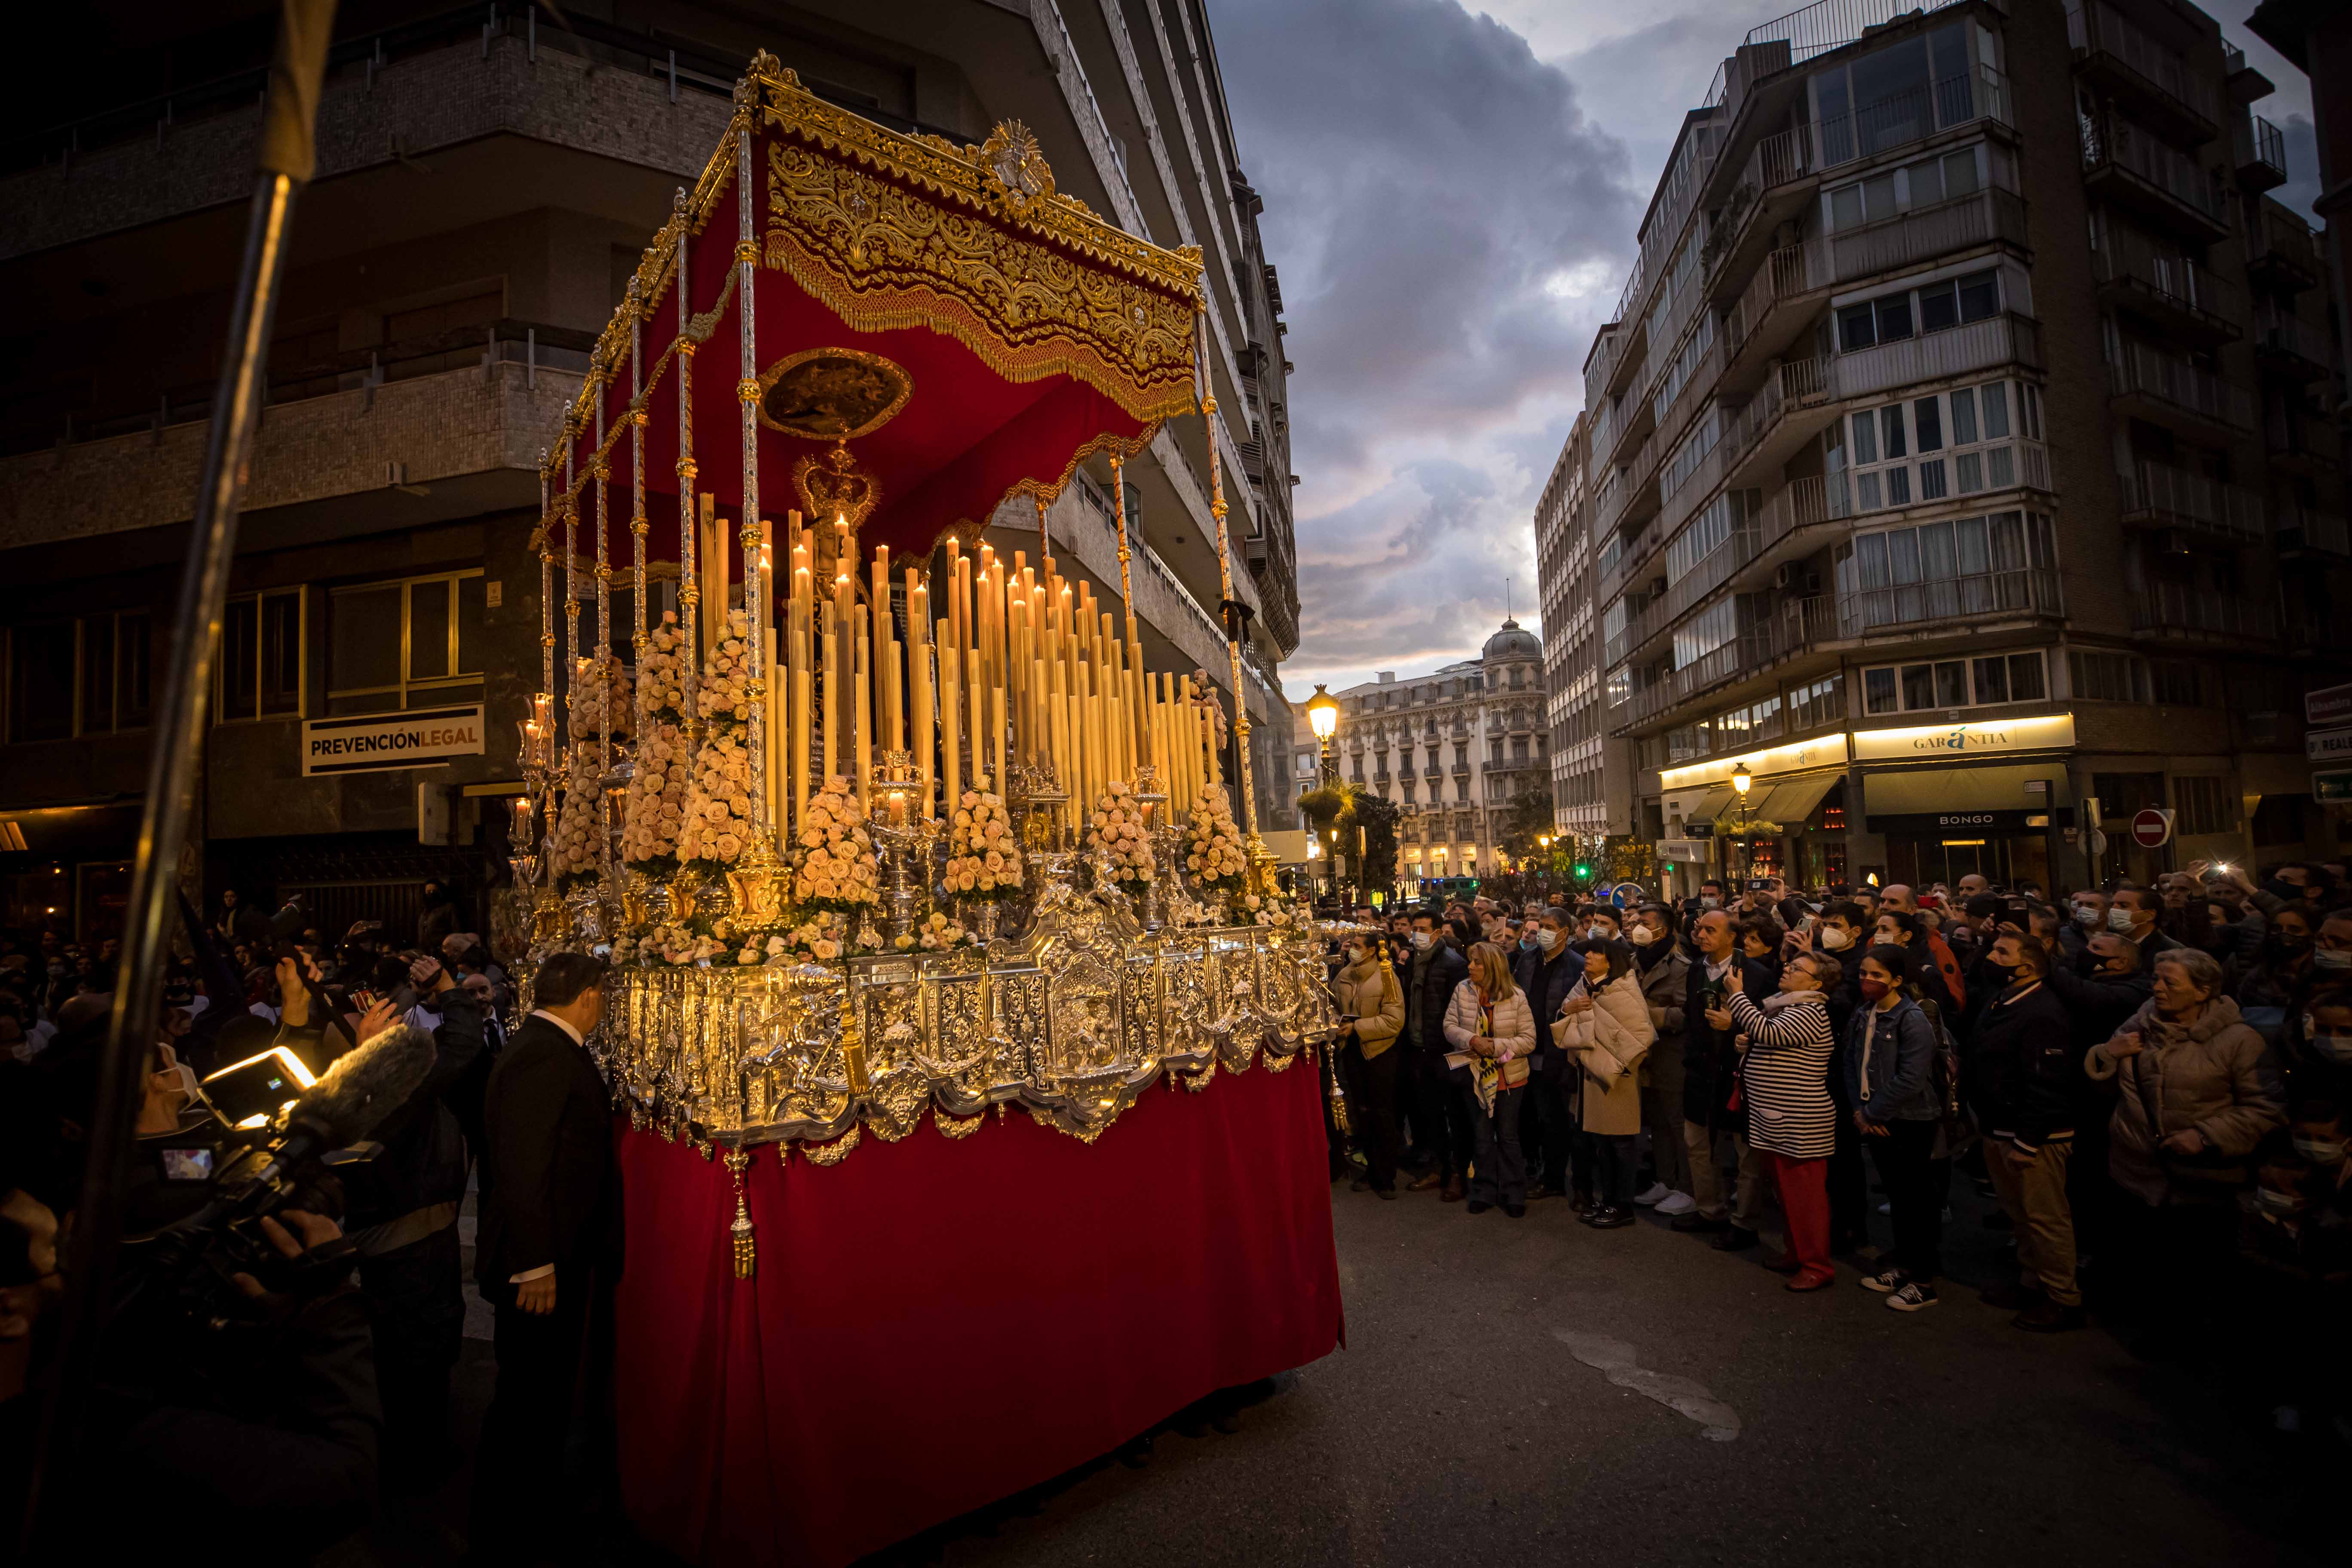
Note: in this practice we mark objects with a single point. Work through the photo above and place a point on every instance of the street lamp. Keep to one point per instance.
(1323, 718)
(1741, 780)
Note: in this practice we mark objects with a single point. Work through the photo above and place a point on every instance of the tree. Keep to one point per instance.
(1377, 816)
(1530, 818)
(1335, 813)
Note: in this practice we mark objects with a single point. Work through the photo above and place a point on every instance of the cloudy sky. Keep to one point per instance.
(1451, 195)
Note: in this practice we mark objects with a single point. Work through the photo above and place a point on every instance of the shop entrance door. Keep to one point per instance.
(1922, 859)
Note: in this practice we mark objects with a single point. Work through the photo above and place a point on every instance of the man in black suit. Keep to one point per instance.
(549, 1247)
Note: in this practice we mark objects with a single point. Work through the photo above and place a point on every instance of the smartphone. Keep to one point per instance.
(186, 1164)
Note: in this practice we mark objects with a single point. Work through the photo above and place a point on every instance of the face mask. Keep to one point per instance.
(2289, 942)
(2120, 920)
(1421, 938)
(2321, 1150)
(2277, 1203)
(2331, 958)
(1355, 956)
(1874, 990)
(2336, 1048)
(2004, 972)
(1598, 933)
(1546, 938)
(1837, 938)
(1642, 936)
(1527, 944)
(1710, 903)
(2084, 915)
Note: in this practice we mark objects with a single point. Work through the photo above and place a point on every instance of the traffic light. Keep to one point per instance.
(1583, 871)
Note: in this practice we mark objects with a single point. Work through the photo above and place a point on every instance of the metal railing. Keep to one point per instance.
(2026, 590)
(1955, 351)
(2303, 528)
(2163, 491)
(2126, 255)
(2258, 144)
(2170, 611)
(2115, 142)
(2147, 371)
(2288, 334)
(2095, 28)
(2279, 236)
(1799, 625)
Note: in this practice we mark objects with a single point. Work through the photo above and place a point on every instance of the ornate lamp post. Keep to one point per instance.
(1323, 717)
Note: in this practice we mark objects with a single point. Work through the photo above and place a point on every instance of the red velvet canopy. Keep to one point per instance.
(1024, 331)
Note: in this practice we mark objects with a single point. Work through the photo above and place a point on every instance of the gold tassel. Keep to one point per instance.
(737, 1160)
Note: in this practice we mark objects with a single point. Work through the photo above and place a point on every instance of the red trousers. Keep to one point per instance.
(1803, 1186)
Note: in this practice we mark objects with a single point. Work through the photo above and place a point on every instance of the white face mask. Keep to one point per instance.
(2336, 1048)
(2320, 1151)
(2121, 920)
(1710, 903)
(2331, 958)
(1599, 932)
(1547, 938)
(2085, 915)
(1642, 936)
(1836, 938)
(1421, 938)
(1355, 956)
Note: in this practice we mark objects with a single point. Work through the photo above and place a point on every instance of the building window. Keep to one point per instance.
(1970, 566)
(2205, 805)
(1891, 318)
(1955, 443)
(85, 676)
(401, 644)
(2176, 682)
(1899, 94)
(2107, 676)
(41, 681)
(262, 639)
(1820, 702)
(1986, 683)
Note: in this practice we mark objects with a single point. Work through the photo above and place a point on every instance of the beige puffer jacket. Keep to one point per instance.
(1370, 992)
(2216, 1075)
(1514, 1031)
(1608, 1041)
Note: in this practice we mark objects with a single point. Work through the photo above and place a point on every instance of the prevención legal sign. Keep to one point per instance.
(381, 742)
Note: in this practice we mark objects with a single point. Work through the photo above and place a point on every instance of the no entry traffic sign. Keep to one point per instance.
(2151, 828)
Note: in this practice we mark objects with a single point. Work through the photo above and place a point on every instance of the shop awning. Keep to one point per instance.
(1791, 802)
(1697, 814)
(1921, 792)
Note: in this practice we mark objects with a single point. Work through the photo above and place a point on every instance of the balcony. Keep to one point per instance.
(2261, 152)
(2195, 614)
(1983, 345)
(1915, 608)
(2283, 251)
(2151, 385)
(2158, 495)
(2115, 53)
(1433, 772)
(1780, 299)
(2305, 531)
(1782, 170)
(2284, 344)
(2124, 163)
(1802, 625)
(2296, 441)
(2165, 287)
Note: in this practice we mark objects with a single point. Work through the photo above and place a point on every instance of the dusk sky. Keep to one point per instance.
(1451, 196)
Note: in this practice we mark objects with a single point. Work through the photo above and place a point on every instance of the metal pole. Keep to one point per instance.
(287, 157)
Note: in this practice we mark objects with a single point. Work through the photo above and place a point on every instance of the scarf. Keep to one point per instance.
(1485, 1072)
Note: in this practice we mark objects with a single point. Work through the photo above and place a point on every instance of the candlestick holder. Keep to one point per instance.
(1050, 861)
(902, 840)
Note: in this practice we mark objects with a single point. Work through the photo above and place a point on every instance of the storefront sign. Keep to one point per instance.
(2329, 705)
(2332, 789)
(381, 742)
(1961, 821)
(1816, 752)
(2033, 732)
(1685, 851)
(2328, 746)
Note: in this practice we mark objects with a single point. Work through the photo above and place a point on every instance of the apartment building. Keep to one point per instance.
(1961, 453)
(488, 177)
(1453, 749)
(1591, 780)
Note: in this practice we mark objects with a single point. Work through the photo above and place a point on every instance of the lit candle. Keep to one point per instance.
(951, 752)
(836, 687)
(861, 707)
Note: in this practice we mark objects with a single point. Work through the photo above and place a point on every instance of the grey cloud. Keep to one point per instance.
(1425, 178)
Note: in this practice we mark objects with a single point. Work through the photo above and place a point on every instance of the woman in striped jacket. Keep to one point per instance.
(1785, 1046)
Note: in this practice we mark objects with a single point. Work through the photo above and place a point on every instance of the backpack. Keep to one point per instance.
(1943, 1065)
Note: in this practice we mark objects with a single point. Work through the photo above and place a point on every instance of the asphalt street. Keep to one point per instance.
(1534, 1391)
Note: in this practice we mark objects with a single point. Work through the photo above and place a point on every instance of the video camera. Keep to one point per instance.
(280, 1163)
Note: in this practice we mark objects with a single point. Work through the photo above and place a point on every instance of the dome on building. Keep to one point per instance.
(1512, 642)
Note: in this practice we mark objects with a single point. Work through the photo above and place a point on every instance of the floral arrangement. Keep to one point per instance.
(596, 681)
(1117, 833)
(715, 819)
(579, 856)
(655, 812)
(662, 669)
(834, 866)
(1214, 844)
(983, 854)
(666, 943)
(824, 936)
(936, 934)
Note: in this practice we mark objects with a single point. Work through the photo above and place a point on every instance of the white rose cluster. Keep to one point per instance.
(983, 856)
(655, 812)
(1212, 849)
(724, 696)
(761, 948)
(834, 863)
(595, 679)
(937, 933)
(672, 944)
(1116, 831)
(716, 815)
(579, 827)
(824, 936)
(661, 673)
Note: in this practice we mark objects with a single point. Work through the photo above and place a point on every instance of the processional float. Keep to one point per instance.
(879, 821)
